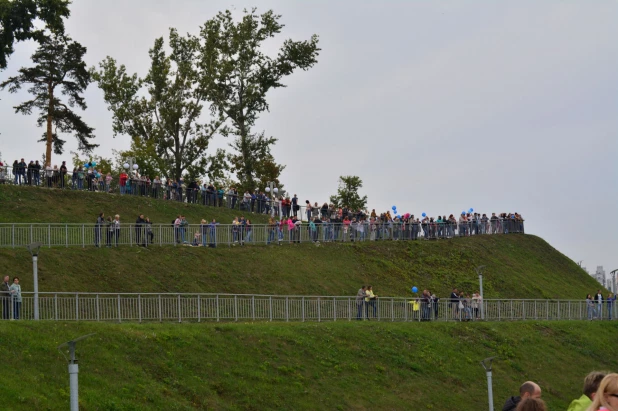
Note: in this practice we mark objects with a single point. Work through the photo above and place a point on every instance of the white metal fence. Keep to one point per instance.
(242, 307)
(82, 235)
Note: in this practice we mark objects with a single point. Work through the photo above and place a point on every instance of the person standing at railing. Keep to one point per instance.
(213, 233)
(63, 173)
(15, 291)
(139, 230)
(598, 298)
(5, 296)
(271, 230)
(109, 231)
(590, 307)
(611, 302)
(370, 301)
(360, 301)
(98, 227)
(15, 172)
(80, 178)
(204, 232)
(29, 173)
(116, 226)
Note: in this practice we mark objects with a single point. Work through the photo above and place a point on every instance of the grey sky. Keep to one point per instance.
(438, 106)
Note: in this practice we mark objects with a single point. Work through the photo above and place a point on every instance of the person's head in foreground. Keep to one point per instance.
(531, 404)
(606, 398)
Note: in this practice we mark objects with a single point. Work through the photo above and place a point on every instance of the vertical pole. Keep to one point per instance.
(235, 308)
(119, 314)
(270, 308)
(335, 309)
(319, 316)
(49, 235)
(139, 307)
(287, 312)
(482, 299)
(35, 275)
(83, 237)
(73, 372)
(56, 306)
(76, 307)
(490, 392)
(179, 310)
(253, 307)
(217, 304)
(199, 309)
(303, 308)
(160, 310)
(97, 305)
(66, 234)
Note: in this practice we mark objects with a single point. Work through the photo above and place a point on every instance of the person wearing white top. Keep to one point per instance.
(15, 290)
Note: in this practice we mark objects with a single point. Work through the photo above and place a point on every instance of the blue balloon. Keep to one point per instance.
(424, 215)
(94, 164)
(394, 208)
(86, 165)
(414, 289)
(463, 213)
(472, 209)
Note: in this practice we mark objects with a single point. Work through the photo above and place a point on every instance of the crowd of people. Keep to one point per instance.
(600, 393)
(595, 305)
(285, 210)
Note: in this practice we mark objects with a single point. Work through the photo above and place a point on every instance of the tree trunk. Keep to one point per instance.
(50, 110)
(246, 156)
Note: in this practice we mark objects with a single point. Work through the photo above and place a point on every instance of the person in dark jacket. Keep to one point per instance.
(139, 229)
(5, 296)
(528, 389)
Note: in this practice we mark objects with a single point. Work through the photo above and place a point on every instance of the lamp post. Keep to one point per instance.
(486, 363)
(73, 369)
(272, 189)
(130, 164)
(479, 271)
(34, 251)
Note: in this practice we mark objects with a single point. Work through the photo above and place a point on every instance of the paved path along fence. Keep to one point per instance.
(82, 235)
(242, 307)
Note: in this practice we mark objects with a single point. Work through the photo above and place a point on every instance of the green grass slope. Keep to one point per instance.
(347, 366)
(517, 266)
(41, 205)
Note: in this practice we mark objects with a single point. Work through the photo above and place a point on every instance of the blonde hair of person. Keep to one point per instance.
(608, 387)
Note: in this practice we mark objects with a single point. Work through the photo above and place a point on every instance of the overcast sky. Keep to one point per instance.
(438, 106)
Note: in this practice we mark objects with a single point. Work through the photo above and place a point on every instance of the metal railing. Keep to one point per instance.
(82, 235)
(181, 307)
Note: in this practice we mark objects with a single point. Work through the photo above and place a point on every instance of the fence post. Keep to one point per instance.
(96, 303)
(199, 309)
(31, 234)
(335, 309)
(303, 308)
(217, 304)
(83, 237)
(405, 310)
(535, 316)
(499, 311)
(49, 235)
(392, 309)
(179, 310)
(235, 308)
(523, 309)
(547, 312)
(119, 313)
(558, 309)
(349, 309)
(569, 309)
(270, 308)
(253, 307)
(130, 236)
(56, 306)
(512, 313)
(76, 307)
(66, 234)
(319, 314)
(139, 307)
(13, 236)
(160, 310)
(287, 312)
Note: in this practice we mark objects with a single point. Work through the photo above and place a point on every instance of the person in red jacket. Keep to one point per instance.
(123, 182)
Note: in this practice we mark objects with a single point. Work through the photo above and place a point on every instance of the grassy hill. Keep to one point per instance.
(24, 204)
(517, 266)
(347, 366)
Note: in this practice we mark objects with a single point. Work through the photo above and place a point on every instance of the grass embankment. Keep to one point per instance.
(300, 366)
(42, 205)
(517, 266)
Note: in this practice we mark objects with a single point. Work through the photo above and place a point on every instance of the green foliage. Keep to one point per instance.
(168, 133)
(240, 76)
(59, 69)
(104, 165)
(17, 19)
(347, 194)
(343, 365)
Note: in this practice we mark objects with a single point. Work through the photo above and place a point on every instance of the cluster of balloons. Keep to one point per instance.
(394, 208)
(471, 210)
(90, 164)
(414, 289)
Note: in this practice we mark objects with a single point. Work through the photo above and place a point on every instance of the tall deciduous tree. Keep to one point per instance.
(168, 121)
(347, 193)
(240, 76)
(59, 71)
(17, 22)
